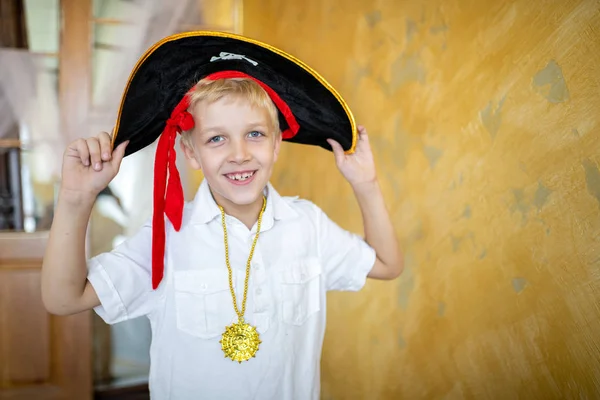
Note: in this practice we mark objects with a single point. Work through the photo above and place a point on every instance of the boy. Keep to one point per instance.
(235, 285)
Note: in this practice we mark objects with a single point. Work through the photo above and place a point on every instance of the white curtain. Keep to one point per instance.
(150, 21)
(29, 98)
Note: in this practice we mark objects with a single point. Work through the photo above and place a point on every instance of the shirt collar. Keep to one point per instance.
(205, 209)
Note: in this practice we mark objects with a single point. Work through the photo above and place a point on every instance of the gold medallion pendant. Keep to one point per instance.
(240, 341)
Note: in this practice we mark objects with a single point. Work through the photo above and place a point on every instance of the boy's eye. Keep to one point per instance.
(255, 134)
(216, 139)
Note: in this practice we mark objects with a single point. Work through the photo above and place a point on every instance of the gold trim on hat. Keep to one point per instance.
(248, 40)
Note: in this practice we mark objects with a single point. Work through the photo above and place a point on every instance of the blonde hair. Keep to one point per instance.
(242, 88)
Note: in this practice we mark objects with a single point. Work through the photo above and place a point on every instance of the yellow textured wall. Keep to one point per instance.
(483, 116)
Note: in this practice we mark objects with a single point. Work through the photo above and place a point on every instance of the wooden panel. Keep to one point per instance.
(73, 346)
(483, 117)
(41, 356)
(22, 248)
(39, 392)
(24, 323)
(25, 350)
(13, 32)
(72, 350)
(75, 66)
(9, 143)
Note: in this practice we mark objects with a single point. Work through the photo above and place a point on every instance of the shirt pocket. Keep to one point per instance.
(301, 291)
(201, 298)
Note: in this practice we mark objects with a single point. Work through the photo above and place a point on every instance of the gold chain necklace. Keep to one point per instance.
(240, 340)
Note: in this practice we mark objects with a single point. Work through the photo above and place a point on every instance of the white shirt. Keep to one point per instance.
(299, 256)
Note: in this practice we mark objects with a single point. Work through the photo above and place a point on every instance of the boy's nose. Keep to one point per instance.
(239, 152)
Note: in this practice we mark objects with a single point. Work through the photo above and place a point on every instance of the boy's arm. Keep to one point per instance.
(379, 232)
(359, 171)
(65, 288)
(88, 166)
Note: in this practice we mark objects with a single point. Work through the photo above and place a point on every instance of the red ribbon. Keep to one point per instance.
(169, 203)
(168, 194)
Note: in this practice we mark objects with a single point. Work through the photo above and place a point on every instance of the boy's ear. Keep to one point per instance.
(190, 156)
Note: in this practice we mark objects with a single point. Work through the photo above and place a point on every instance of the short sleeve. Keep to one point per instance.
(122, 278)
(346, 257)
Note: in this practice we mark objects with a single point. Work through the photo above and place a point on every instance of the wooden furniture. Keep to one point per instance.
(43, 356)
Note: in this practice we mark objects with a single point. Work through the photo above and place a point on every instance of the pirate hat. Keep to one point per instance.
(155, 102)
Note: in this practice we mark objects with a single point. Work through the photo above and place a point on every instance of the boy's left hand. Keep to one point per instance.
(359, 167)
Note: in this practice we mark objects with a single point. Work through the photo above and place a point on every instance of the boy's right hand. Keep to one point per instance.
(89, 165)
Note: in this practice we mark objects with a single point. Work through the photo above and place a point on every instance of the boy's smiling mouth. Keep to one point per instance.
(240, 177)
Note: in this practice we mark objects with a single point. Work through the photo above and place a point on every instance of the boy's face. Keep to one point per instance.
(235, 147)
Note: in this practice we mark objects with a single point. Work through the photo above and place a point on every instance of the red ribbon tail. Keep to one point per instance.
(168, 196)
(158, 219)
(174, 197)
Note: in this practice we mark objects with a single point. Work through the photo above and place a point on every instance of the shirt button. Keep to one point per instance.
(259, 291)
(204, 286)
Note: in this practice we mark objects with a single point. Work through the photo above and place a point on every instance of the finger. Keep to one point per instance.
(94, 147)
(338, 151)
(80, 148)
(118, 154)
(105, 145)
(363, 138)
(362, 132)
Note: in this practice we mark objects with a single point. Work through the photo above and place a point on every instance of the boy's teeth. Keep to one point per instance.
(241, 177)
